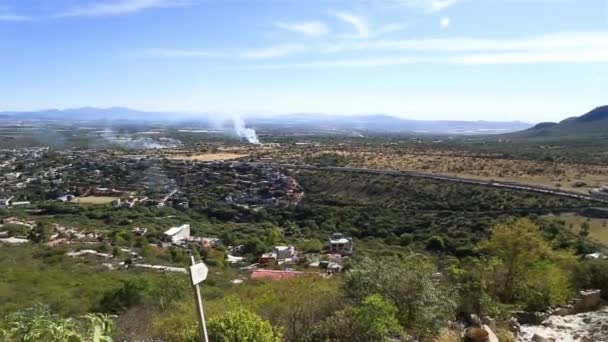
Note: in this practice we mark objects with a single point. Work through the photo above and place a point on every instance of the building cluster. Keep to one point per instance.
(282, 261)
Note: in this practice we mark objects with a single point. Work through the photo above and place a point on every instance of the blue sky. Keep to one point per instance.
(530, 60)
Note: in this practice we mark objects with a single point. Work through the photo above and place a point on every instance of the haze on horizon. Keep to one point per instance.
(495, 60)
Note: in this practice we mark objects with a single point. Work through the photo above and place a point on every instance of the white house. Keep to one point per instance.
(339, 244)
(178, 234)
(284, 252)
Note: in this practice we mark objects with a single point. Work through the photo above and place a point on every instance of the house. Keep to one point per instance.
(267, 258)
(275, 274)
(284, 252)
(339, 244)
(178, 234)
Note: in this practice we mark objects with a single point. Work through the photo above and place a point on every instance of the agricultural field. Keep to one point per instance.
(95, 199)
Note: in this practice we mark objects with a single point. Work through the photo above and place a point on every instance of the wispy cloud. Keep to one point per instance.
(118, 7)
(8, 14)
(309, 28)
(359, 23)
(565, 47)
(429, 5)
(444, 22)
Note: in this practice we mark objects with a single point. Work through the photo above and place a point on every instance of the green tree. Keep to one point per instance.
(424, 305)
(518, 246)
(525, 268)
(242, 325)
(376, 319)
(41, 233)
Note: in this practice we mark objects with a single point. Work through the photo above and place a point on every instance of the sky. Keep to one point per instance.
(505, 60)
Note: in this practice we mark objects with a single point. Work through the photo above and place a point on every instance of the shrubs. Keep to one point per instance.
(423, 304)
(242, 325)
(519, 269)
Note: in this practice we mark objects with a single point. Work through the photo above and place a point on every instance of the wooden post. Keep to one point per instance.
(199, 306)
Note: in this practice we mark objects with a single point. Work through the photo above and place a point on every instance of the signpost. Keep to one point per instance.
(198, 273)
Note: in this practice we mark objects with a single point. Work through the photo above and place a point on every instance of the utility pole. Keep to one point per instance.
(198, 273)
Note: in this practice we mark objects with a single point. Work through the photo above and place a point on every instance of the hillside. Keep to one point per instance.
(593, 123)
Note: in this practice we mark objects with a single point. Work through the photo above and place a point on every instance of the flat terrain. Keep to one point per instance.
(483, 166)
(95, 199)
(209, 156)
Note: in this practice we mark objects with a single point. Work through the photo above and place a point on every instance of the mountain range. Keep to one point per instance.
(288, 123)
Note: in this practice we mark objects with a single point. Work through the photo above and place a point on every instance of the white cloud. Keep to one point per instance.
(276, 51)
(429, 5)
(118, 7)
(359, 23)
(444, 22)
(534, 57)
(565, 40)
(309, 28)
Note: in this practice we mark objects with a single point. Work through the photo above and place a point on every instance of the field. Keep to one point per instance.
(598, 228)
(209, 156)
(95, 200)
(479, 165)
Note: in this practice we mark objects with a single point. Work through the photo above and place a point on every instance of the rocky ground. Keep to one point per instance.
(583, 327)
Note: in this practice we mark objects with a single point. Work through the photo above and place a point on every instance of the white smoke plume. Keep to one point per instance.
(244, 133)
(139, 143)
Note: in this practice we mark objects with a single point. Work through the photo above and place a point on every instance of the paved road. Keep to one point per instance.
(494, 184)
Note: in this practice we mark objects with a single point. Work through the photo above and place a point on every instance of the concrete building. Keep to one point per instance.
(285, 252)
(178, 234)
(339, 244)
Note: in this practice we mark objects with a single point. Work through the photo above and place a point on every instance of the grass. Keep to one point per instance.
(95, 200)
(598, 230)
(209, 156)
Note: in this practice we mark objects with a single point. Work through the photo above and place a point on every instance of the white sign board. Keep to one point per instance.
(198, 273)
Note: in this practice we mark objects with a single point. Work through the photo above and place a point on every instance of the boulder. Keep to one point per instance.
(532, 318)
(565, 310)
(589, 300)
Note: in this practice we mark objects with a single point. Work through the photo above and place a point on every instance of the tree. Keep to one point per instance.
(41, 233)
(375, 318)
(423, 304)
(526, 270)
(242, 325)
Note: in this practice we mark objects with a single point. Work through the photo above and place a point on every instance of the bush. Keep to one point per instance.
(242, 325)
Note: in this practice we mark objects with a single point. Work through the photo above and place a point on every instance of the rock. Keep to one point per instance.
(565, 310)
(489, 321)
(538, 338)
(533, 318)
(589, 300)
(491, 335)
(514, 326)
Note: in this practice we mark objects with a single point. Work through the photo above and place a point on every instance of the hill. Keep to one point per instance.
(593, 123)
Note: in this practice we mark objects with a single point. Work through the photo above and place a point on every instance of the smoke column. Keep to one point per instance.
(245, 133)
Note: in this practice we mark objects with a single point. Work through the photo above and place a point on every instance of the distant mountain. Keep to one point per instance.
(288, 123)
(383, 123)
(593, 123)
